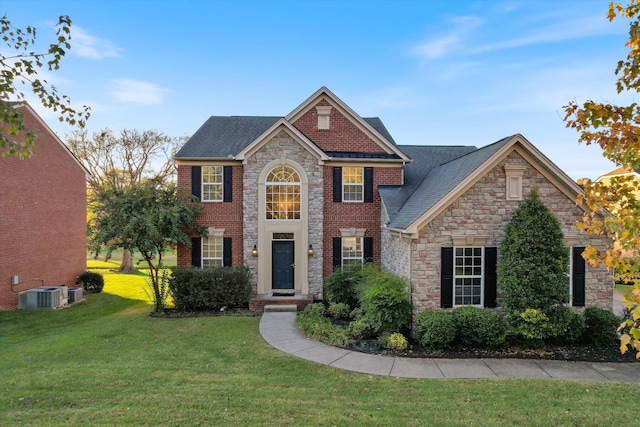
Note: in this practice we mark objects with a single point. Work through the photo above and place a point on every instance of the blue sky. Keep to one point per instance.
(435, 72)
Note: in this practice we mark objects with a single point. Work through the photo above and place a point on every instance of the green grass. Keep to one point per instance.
(107, 362)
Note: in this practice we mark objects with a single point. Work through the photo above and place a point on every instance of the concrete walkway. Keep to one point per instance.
(279, 330)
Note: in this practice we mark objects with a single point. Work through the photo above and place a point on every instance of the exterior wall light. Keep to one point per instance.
(254, 251)
(310, 250)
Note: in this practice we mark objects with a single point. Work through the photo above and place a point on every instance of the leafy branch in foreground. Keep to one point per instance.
(21, 68)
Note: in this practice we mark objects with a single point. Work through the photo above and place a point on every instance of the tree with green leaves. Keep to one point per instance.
(19, 66)
(123, 160)
(534, 260)
(613, 205)
(148, 217)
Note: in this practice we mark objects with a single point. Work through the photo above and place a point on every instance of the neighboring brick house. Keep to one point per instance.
(43, 202)
(295, 197)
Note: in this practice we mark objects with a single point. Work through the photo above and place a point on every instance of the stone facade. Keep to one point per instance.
(284, 148)
(484, 210)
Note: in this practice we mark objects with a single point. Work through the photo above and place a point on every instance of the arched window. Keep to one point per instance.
(283, 193)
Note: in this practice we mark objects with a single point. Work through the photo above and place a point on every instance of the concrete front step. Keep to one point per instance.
(280, 307)
(258, 302)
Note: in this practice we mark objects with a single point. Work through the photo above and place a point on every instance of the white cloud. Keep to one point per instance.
(137, 92)
(440, 46)
(85, 45)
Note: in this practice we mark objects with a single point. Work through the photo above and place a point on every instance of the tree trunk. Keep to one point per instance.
(126, 265)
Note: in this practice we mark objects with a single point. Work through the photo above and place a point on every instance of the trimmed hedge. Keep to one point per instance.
(91, 282)
(435, 329)
(195, 289)
(601, 327)
(477, 327)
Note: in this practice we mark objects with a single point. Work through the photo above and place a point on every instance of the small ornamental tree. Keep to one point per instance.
(534, 259)
(149, 218)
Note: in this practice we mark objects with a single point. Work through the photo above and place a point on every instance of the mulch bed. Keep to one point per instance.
(575, 353)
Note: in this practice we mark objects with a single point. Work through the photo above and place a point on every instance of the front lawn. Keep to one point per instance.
(107, 362)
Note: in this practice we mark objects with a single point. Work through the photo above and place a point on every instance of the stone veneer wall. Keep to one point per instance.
(284, 145)
(483, 209)
(396, 253)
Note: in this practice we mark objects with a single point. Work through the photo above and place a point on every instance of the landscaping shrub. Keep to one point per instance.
(476, 327)
(567, 325)
(315, 325)
(532, 324)
(360, 329)
(339, 311)
(601, 327)
(91, 282)
(396, 341)
(534, 260)
(386, 304)
(435, 329)
(340, 286)
(195, 289)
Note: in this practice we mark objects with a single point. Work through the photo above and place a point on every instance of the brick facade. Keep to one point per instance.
(297, 142)
(43, 205)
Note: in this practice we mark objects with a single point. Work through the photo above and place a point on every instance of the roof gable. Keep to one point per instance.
(31, 112)
(445, 183)
(371, 129)
(272, 131)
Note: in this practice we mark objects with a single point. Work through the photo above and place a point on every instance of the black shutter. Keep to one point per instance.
(368, 185)
(446, 277)
(337, 184)
(226, 251)
(196, 252)
(368, 249)
(490, 277)
(227, 184)
(337, 252)
(578, 277)
(196, 181)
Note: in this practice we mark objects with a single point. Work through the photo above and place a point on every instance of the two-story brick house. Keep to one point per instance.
(295, 197)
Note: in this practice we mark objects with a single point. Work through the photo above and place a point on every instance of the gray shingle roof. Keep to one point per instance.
(438, 181)
(221, 137)
(224, 136)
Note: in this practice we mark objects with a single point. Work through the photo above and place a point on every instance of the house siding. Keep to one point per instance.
(483, 209)
(343, 135)
(355, 214)
(222, 215)
(43, 201)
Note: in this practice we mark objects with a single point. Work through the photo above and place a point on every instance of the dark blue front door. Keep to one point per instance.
(283, 264)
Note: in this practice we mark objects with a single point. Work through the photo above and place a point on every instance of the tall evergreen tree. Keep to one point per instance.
(532, 271)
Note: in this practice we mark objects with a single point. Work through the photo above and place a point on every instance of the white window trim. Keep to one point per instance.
(297, 184)
(202, 184)
(220, 258)
(361, 185)
(361, 258)
(570, 276)
(482, 261)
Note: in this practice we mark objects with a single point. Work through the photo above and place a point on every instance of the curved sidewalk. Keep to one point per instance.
(279, 330)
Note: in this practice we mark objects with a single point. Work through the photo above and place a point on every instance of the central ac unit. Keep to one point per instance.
(39, 298)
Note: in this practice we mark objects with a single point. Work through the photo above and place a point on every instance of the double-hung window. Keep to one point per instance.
(352, 184)
(468, 276)
(212, 252)
(352, 251)
(212, 182)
